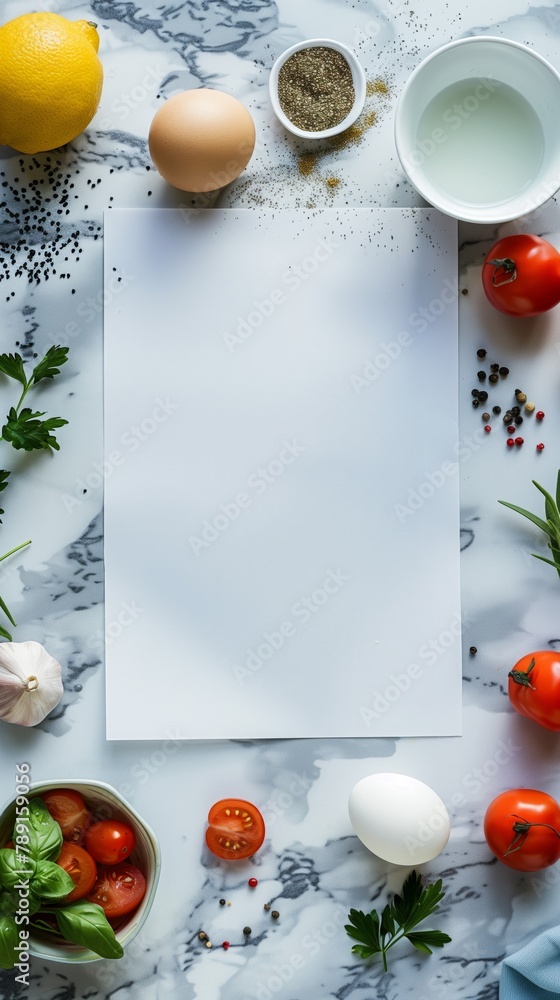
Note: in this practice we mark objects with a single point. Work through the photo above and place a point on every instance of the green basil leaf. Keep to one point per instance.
(9, 902)
(86, 924)
(50, 881)
(14, 868)
(9, 938)
(45, 835)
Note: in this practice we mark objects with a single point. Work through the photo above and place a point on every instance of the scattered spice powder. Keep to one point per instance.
(333, 182)
(376, 87)
(307, 163)
(315, 88)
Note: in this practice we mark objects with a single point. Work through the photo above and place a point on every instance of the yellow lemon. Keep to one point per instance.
(50, 80)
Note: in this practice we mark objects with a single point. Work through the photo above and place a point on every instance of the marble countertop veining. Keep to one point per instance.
(312, 867)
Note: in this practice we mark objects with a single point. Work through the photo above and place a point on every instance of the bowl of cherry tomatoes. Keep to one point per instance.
(110, 854)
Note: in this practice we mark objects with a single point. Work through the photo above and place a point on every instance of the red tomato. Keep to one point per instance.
(521, 275)
(69, 810)
(81, 868)
(534, 688)
(118, 889)
(110, 841)
(522, 828)
(236, 829)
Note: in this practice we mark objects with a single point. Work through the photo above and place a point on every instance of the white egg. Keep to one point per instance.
(399, 818)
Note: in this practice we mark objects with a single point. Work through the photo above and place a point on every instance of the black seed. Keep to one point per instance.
(246, 931)
(494, 367)
(518, 420)
(222, 902)
(516, 410)
(481, 353)
(481, 376)
(473, 650)
(475, 392)
(475, 403)
(483, 396)
(493, 378)
(275, 914)
(496, 410)
(486, 417)
(504, 371)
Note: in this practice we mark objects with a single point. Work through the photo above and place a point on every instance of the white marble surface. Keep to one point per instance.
(311, 865)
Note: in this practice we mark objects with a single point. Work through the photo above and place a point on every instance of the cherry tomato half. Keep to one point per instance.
(534, 688)
(69, 810)
(236, 829)
(118, 889)
(521, 275)
(522, 828)
(81, 868)
(110, 841)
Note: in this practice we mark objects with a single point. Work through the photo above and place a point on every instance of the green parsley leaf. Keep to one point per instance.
(26, 430)
(49, 366)
(12, 366)
(376, 935)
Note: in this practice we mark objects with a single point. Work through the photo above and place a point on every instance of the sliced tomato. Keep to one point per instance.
(118, 889)
(69, 810)
(81, 868)
(236, 829)
(110, 841)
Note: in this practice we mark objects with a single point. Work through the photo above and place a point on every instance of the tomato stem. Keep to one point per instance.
(523, 677)
(521, 830)
(508, 270)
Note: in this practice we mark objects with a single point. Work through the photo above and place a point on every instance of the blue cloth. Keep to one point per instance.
(533, 973)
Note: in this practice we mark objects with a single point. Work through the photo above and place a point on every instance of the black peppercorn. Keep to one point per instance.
(486, 417)
(518, 420)
(483, 396)
(481, 376)
(481, 353)
(493, 378)
(473, 650)
(202, 936)
(494, 367)
(504, 371)
(246, 931)
(496, 410)
(475, 392)
(516, 410)
(222, 902)
(275, 914)
(266, 906)
(475, 403)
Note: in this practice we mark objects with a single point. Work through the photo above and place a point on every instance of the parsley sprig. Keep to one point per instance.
(551, 526)
(25, 429)
(377, 934)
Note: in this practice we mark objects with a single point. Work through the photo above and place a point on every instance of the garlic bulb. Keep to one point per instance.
(30, 682)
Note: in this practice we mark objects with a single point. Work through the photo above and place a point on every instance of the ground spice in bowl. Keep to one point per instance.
(315, 88)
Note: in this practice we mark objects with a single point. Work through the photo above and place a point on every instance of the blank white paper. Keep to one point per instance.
(281, 474)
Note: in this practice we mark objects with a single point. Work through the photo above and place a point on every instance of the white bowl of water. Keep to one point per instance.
(477, 129)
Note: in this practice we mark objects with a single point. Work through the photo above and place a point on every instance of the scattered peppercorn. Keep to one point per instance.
(246, 931)
(529, 407)
(521, 397)
(493, 378)
(481, 353)
(225, 945)
(475, 393)
(222, 902)
(475, 403)
(266, 907)
(473, 650)
(481, 376)
(519, 442)
(540, 414)
(516, 410)
(483, 396)
(508, 417)
(486, 417)
(540, 446)
(494, 367)
(504, 372)
(275, 914)
(510, 442)
(497, 410)
(202, 936)
(253, 882)
(518, 420)
(487, 429)
(511, 429)
(208, 944)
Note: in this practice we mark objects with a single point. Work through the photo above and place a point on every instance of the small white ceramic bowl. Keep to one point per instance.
(358, 79)
(105, 803)
(477, 129)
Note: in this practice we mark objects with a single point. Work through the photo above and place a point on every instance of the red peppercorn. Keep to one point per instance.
(253, 882)
(511, 430)
(487, 429)
(510, 442)
(540, 446)
(519, 442)
(225, 945)
(540, 414)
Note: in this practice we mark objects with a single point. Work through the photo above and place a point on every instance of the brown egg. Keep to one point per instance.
(201, 139)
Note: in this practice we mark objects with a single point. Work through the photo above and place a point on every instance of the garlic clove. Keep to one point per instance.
(30, 682)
